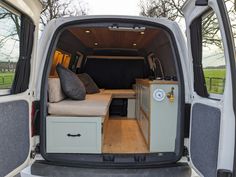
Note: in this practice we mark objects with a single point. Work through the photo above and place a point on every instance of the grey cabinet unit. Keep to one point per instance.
(156, 112)
(74, 134)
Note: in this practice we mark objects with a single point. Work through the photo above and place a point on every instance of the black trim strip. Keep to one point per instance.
(179, 164)
(201, 2)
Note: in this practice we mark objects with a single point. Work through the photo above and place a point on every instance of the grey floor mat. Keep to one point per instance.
(60, 171)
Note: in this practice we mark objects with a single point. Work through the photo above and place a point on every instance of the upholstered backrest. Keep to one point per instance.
(55, 93)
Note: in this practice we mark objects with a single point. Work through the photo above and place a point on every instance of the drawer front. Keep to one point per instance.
(73, 135)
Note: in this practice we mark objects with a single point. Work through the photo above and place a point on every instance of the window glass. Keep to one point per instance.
(213, 58)
(9, 46)
(60, 57)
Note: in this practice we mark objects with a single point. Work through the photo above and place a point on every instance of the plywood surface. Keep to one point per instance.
(120, 93)
(105, 38)
(148, 82)
(123, 136)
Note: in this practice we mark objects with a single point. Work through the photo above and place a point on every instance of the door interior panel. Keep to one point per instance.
(205, 130)
(14, 141)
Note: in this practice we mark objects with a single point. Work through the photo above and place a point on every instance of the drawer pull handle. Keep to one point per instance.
(75, 135)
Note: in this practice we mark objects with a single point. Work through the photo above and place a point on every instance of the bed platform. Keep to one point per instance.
(81, 126)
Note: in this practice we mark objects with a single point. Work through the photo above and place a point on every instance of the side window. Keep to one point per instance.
(213, 58)
(9, 46)
(208, 55)
(62, 58)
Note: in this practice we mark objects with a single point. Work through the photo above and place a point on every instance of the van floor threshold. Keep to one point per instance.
(45, 170)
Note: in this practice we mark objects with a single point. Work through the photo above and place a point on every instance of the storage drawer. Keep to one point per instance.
(74, 134)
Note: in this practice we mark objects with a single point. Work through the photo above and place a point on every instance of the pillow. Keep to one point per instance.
(90, 86)
(71, 84)
(55, 93)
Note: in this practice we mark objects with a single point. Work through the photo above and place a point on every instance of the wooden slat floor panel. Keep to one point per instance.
(123, 136)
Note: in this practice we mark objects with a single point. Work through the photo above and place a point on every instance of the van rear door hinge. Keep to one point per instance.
(140, 158)
(108, 158)
(224, 173)
(34, 152)
(186, 153)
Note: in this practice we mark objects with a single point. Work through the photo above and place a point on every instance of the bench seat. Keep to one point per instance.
(93, 105)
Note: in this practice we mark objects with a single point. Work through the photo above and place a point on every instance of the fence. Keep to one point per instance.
(6, 81)
(215, 84)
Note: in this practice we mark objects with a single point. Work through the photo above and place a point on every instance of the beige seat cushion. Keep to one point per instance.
(94, 105)
(55, 93)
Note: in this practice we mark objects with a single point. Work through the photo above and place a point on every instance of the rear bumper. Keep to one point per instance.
(42, 169)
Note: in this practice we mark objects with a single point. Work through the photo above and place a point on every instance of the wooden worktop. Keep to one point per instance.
(120, 93)
(149, 82)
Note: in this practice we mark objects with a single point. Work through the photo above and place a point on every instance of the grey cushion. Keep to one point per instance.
(90, 86)
(71, 84)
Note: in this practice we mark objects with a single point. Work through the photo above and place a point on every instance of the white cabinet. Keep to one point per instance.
(157, 114)
(74, 134)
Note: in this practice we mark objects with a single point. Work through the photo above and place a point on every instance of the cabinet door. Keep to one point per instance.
(137, 105)
(145, 99)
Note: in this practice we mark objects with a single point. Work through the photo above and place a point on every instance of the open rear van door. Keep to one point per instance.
(18, 40)
(212, 64)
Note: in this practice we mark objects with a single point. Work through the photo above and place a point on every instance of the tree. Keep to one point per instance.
(161, 8)
(172, 10)
(61, 8)
(9, 37)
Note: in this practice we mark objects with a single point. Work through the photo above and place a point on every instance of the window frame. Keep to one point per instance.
(213, 96)
(7, 91)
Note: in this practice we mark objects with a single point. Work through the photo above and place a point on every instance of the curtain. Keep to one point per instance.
(22, 74)
(196, 46)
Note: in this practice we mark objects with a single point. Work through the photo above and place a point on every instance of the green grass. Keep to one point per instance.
(6, 80)
(213, 86)
(218, 73)
(215, 80)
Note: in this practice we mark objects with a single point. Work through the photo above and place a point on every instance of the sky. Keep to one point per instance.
(113, 7)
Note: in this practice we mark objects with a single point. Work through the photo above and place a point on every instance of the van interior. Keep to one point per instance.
(136, 106)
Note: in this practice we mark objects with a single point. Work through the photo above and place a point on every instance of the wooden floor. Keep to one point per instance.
(123, 136)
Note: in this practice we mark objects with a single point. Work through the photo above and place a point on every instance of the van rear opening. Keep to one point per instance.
(131, 110)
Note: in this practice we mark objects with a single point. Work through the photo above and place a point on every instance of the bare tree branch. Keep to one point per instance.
(172, 10)
(58, 8)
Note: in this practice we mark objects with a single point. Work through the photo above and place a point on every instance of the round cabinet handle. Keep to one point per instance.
(74, 135)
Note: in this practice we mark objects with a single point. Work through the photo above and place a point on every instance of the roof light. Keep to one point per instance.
(87, 32)
(134, 44)
(142, 33)
(95, 43)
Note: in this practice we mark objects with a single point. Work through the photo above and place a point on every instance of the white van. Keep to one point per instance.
(117, 92)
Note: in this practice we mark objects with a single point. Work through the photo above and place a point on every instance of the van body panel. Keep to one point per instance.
(224, 103)
(16, 103)
(56, 27)
(29, 7)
